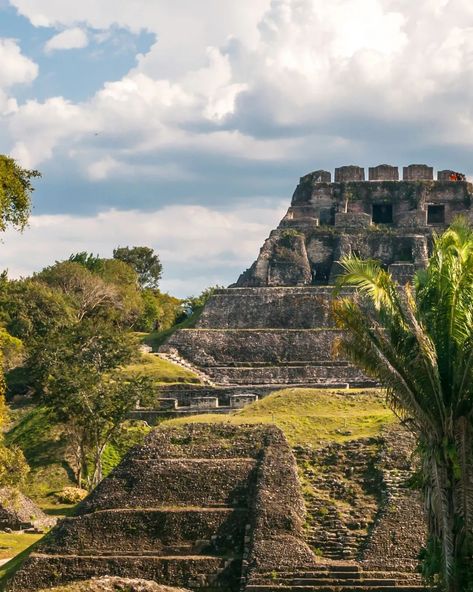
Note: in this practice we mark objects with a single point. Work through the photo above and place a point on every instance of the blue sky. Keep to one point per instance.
(185, 125)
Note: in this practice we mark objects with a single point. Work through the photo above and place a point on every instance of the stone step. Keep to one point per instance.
(157, 531)
(332, 581)
(186, 365)
(151, 482)
(350, 571)
(337, 586)
(195, 572)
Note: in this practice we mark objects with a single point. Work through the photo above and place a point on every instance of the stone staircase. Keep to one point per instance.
(341, 486)
(336, 577)
(174, 357)
(331, 538)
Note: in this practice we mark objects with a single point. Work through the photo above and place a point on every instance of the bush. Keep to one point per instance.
(71, 495)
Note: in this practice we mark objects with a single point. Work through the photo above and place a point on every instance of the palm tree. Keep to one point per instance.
(417, 340)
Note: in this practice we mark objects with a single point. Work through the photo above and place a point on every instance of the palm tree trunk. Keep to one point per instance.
(444, 496)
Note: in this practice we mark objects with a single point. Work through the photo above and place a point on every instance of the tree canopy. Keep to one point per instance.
(144, 261)
(15, 193)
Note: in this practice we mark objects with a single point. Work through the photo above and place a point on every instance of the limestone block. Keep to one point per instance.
(352, 220)
(349, 173)
(402, 272)
(447, 174)
(384, 172)
(204, 402)
(317, 177)
(242, 400)
(167, 403)
(418, 172)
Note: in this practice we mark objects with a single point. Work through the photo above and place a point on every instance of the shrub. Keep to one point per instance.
(71, 495)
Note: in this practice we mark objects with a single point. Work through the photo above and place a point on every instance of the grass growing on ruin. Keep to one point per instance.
(312, 416)
(156, 338)
(160, 370)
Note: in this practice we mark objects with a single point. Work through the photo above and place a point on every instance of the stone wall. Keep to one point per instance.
(283, 308)
(248, 346)
(277, 513)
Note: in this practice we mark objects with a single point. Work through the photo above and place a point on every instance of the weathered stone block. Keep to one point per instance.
(352, 220)
(204, 403)
(418, 172)
(383, 172)
(402, 272)
(349, 173)
(166, 403)
(317, 177)
(242, 400)
(448, 175)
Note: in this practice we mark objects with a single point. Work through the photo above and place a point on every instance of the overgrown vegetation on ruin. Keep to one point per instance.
(418, 341)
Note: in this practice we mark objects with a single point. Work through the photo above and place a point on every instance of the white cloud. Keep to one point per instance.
(15, 67)
(75, 38)
(186, 237)
(228, 76)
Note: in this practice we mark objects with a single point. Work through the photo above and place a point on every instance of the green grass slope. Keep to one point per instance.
(312, 416)
(161, 371)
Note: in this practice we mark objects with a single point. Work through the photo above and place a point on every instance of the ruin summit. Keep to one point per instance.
(382, 218)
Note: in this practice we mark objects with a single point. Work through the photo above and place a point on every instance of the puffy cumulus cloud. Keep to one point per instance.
(75, 38)
(198, 246)
(39, 127)
(16, 68)
(260, 79)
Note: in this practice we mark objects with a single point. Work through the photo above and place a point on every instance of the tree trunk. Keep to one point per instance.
(447, 515)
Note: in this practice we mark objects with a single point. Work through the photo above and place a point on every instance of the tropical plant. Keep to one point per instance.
(417, 340)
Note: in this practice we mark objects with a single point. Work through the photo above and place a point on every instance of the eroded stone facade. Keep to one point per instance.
(383, 218)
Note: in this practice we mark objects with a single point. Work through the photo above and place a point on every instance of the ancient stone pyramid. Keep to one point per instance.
(273, 328)
(197, 506)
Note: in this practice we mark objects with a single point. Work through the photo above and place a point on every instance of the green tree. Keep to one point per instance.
(144, 261)
(13, 465)
(89, 260)
(195, 303)
(30, 309)
(15, 193)
(418, 342)
(86, 391)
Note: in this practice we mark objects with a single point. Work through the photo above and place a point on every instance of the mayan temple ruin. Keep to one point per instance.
(273, 326)
(219, 507)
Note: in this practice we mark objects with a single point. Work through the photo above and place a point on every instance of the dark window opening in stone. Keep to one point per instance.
(382, 214)
(327, 216)
(404, 254)
(436, 214)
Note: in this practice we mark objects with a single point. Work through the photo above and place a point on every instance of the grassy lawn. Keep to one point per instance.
(162, 371)
(13, 543)
(43, 444)
(312, 416)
